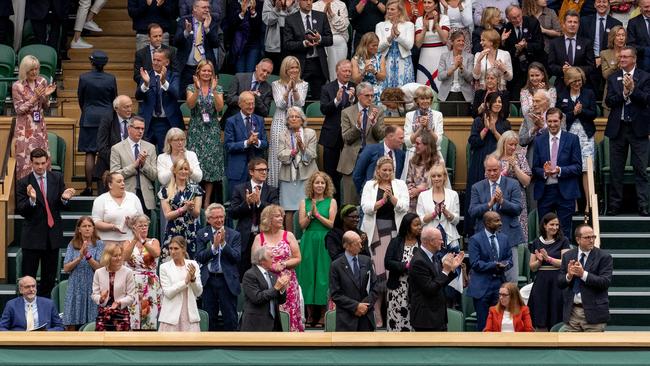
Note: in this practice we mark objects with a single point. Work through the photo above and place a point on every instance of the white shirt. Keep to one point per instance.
(386, 151)
(107, 210)
(507, 326)
(38, 180)
(577, 298)
(34, 311)
(597, 35)
(553, 179)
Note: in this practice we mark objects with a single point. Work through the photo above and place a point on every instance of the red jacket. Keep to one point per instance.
(521, 321)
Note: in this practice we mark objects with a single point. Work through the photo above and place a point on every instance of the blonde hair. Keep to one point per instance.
(501, 144)
(436, 168)
(173, 133)
(362, 48)
(171, 187)
(611, 37)
(382, 161)
(109, 251)
(27, 64)
(489, 13)
(573, 74)
(492, 36)
(329, 185)
(423, 92)
(181, 242)
(202, 63)
(403, 17)
(286, 64)
(265, 216)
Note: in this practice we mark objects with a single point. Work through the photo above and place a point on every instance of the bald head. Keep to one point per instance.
(352, 242)
(431, 239)
(492, 221)
(247, 102)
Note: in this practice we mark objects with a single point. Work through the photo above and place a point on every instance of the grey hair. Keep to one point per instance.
(214, 206)
(545, 93)
(259, 255)
(118, 99)
(427, 232)
(133, 119)
(300, 113)
(363, 86)
(173, 132)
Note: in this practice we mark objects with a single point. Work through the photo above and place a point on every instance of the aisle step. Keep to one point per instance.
(631, 278)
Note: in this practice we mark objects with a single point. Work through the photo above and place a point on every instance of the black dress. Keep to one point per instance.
(545, 301)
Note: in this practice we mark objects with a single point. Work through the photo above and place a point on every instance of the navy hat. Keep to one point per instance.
(98, 57)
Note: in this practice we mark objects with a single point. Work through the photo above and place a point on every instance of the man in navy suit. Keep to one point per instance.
(159, 94)
(245, 138)
(585, 276)
(364, 170)
(489, 257)
(144, 55)
(637, 34)
(112, 129)
(219, 251)
(503, 196)
(557, 171)
(29, 311)
(628, 96)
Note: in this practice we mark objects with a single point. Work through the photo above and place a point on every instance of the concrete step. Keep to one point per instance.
(629, 297)
(111, 27)
(635, 317)
(630, 278)
(76, 73)
(624, 224)
(630, 258)
(624, 240)
(113, 42)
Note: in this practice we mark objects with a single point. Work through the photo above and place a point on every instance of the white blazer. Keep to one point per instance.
(123, 286)
(369, 198)
(503, 56)
(426, 207)
(172, 281)
(405, 40)
(164, 167)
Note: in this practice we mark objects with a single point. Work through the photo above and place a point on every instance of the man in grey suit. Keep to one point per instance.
(263, 294)
(456, 65)
(501, 195)
(352, 287)
(135, 159)
(361, 124)
(257, 84)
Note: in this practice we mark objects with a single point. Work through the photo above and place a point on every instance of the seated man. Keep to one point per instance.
(29, 312)
(257, 83)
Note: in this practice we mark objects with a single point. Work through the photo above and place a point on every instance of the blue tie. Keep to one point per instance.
(272, 302)
(364, 124)
(577, 283)
(254, 86)
(215, 263)
(357, 270)
(493, 244)
(158, 105)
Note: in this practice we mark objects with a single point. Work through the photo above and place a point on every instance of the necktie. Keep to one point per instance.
(578, 281)
(308, 22)
(254, 86)
(215, 264)
(647, 23)
(390, 154)
(519, 33)
(249, 125)
(158, 102)
(626, 111)
(493, 245)
(136, 153)
(198, 41)
(570, 52)
(554, 147)
(256, 214)
(494, 189)
(364, 123)
(50, 218)
(272, 302)
(356, 270)
(602, 37)
(344, 98)
(30, 317)
(125, 131)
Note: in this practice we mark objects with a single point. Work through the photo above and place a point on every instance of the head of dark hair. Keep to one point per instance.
(405, 226)
(555, 110)
(578, 229)
(152, 26)
(37, 153)
(390, 129)
(255, 162)
(545, 220)
(490, 99)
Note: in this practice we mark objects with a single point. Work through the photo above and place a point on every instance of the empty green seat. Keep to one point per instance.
(57, 151)
(46, 55)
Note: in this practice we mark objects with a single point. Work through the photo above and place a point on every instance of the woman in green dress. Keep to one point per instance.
(316, 217)
(205, 100)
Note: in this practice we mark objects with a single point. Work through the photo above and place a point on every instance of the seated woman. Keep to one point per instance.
(509, 314)
(181, 285)
(346, 220)
(113, 291)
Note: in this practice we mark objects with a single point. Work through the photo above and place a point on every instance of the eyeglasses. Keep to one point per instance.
(353, 217)
(504, 295)
(367, 95)
(261, 170)
(588, 237)
(137, 128)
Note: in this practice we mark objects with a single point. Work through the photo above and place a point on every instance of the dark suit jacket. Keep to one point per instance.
(243, 213)
(294, 35)
(532, 33)
(330, 133)
(237, 155)
(257, 296)
(230, 256)
(217, 8)
(427, 292)
(108, 134)
(594, 291)
(484, 273)
(143, 59)
(242, 82)
(509, 210)
(640, 98)
(569, 159)
(13, 315)
(393, 262)
(588, 100)
(35, 228)
(637, 32)
(588, 26)
(347, 295)
(170, 99)
(96, 93)
(364, 169)
(184, 45)
(6, 8)
(583, 58)
(143, 14)
(38, 9)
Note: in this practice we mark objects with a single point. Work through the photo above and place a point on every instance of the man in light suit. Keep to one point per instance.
(489, 257)
(428, 277)
(245, 138)
(135, 159)
(159, 92)
(144, 56)
(40, 197)
(263, 294)
(570, 50)
(557, 171)
(585, 276)
(627, 127)
(219, 253)
(248, 201)
(361, 124)
(257, 84)
(29, 311)
(113, 129)
(637, 34)
(352, 287)
(364, 170)
(306, 34)
(334, 98)
(503, 196)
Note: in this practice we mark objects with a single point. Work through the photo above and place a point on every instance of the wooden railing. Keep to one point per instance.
(592, 198)
(6, 155)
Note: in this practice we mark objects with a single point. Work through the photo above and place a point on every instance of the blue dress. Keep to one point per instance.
(399, 71)
(79, 306)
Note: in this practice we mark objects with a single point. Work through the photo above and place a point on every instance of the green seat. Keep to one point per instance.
(557, 327)
(185, 110)
(88, 327)
(524, 267)
(448, 151)
(4, 91)
(533, 225)
(297, 230)
(7, 61)
(58, 295)
(272, 109)
(46, 55)
(467, 304)
(514, 111)
(28, 34)
(313, 110)
(330, 321)
(284, 319)
(57, 151)
(225, 80)
(455, 321)
(271, 78)
(204, 323)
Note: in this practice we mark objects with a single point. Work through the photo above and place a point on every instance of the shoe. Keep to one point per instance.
(644, 212)
(87, 192)
(80, 44)
(92, 26)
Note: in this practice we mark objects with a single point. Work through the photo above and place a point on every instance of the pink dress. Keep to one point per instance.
(282, 252)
